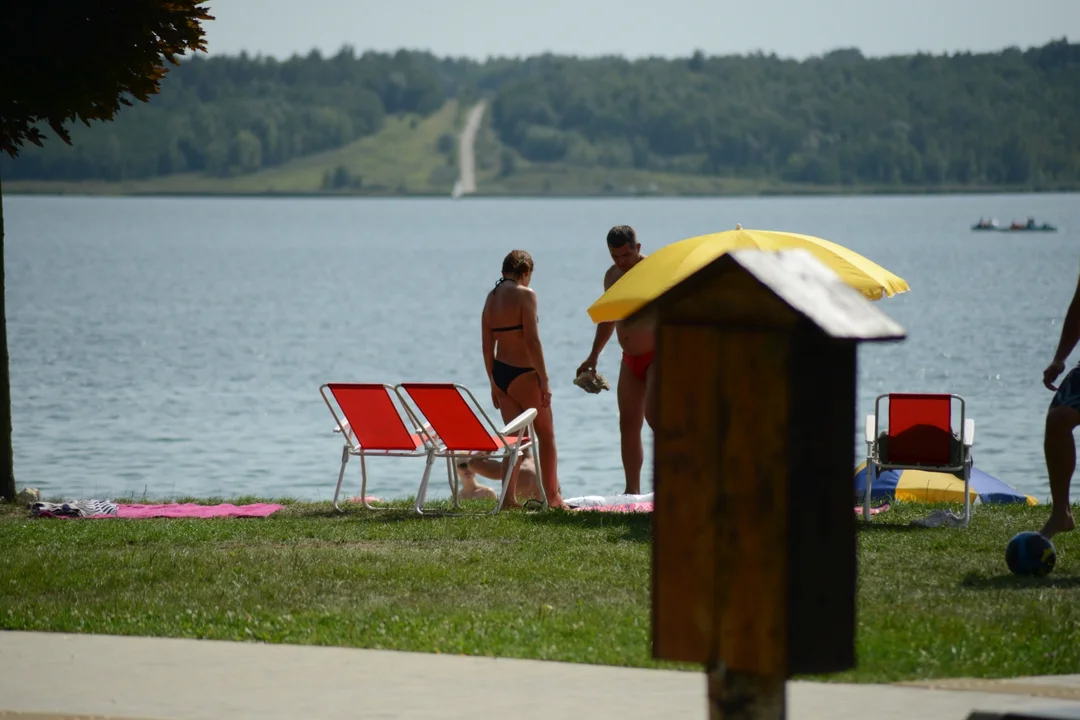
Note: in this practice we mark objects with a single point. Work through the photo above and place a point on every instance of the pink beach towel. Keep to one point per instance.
(648, 507)
(622, 503)
(631, 507)
(194, 510)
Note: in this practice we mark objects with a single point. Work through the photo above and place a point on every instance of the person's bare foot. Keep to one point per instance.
(558, 504)
(1058, 523)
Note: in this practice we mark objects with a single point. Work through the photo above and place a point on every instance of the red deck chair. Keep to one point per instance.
(372, 425)
(461, 428)
(919, 436)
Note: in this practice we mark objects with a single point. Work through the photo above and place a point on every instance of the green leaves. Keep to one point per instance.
(75, 60)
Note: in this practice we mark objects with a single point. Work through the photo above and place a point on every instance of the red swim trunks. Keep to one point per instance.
(638, 364)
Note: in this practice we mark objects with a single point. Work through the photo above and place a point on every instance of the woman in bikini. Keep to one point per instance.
(515, 366)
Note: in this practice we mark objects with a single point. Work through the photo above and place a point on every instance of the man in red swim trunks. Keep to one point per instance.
(635, 372)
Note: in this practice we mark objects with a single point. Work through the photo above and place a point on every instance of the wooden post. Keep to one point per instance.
(753, 533)
(744, 696)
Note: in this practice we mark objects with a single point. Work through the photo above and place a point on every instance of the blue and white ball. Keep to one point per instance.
(1029, 553)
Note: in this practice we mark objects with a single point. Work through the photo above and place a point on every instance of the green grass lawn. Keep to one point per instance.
(555, 586)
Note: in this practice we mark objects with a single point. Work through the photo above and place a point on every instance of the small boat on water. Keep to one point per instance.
(1029, 226)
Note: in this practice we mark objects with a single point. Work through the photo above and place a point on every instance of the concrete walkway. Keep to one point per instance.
(52, 675)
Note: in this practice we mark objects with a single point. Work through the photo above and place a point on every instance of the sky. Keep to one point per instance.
(636, 28)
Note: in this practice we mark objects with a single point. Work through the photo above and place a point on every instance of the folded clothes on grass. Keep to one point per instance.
(75, 508)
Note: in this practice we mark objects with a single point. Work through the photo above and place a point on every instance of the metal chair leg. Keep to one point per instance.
(539, 469)
(967, 493)
(871, 471)
(363, 487)
(341, 476)
(418, 506)
(454, 480)
(513, 460)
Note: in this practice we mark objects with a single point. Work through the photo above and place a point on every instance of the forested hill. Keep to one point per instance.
(1010, 118)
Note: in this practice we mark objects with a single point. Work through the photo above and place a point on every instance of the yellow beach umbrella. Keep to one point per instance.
(673, 263)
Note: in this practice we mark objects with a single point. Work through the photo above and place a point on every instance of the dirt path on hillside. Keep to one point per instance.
(466, 150)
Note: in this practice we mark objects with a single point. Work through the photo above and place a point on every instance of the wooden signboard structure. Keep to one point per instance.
(754, 549)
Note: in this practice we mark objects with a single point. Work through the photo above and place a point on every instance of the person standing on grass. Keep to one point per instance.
(514, 358)
(1062, 417)
(636, 393)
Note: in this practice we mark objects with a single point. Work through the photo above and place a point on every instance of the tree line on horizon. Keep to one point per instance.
(1009, 118)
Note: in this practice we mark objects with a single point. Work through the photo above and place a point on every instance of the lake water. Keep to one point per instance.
(175, 346)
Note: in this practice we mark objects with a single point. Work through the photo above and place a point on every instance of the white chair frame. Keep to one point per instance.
(514, 437)
(352, 446)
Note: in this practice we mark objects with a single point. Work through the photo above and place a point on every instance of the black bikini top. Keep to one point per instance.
(519, 326)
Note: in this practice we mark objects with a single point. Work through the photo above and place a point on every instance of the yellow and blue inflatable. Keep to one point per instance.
(925, 486)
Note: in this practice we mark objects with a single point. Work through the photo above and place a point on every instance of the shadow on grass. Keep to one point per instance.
(638, 525)
(389, 515)
(890, 527)
(1016, 582)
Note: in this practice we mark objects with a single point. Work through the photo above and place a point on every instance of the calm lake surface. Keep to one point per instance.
(175, 346)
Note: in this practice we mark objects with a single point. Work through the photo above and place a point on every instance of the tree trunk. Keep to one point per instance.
(7, 455)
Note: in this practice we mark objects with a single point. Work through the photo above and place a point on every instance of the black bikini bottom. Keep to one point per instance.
(504, 374)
